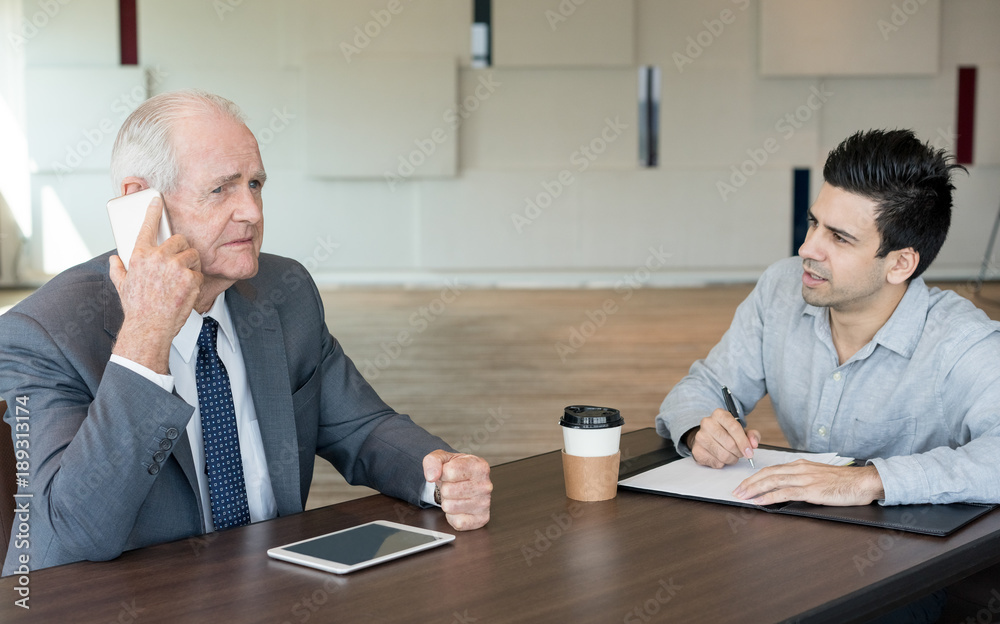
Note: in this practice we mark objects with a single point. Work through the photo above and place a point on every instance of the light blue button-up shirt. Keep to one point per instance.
(921, 400)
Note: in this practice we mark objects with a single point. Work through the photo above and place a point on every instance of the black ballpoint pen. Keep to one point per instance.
(731, 406)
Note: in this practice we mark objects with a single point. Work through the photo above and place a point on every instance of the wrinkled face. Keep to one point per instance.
(217, 204)
(840, 269)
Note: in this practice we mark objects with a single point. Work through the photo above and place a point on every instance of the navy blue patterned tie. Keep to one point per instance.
(223, 462)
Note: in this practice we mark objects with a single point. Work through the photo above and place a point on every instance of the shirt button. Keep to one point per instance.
(836, 376)
(821, 431)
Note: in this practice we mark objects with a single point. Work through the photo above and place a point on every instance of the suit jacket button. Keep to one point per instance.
(172, 433)
(159, 456)
(165, 444)
(153, 469)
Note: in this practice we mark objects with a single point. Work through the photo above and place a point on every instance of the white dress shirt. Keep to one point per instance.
(183, 352)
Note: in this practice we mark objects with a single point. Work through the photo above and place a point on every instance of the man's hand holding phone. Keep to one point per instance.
(158, 292)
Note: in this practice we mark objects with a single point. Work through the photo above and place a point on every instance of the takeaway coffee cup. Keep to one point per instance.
(590, 451)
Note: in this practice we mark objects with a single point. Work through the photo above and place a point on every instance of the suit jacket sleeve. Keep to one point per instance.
(93, 433)
(367, 441)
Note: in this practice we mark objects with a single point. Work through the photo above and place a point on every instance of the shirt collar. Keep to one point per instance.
(186, 340)
(903, 329)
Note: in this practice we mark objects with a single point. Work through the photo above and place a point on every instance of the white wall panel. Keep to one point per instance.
(849, 37)
(721, 116)
(545, 118)
(977, 198)
(271, 99)
(219, 34)
(925, 105)
(358, 29)
(986, 144)
(339, 225)
(378, 117)
(625, 215)
(73, 114)
(69, 33)
(548, 33)
(70, 214)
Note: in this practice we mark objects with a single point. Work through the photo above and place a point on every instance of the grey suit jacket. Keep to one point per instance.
(109, 463)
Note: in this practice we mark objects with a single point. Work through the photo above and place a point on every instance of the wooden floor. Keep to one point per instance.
(491, 370)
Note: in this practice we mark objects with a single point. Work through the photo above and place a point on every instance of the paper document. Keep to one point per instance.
(685, 477)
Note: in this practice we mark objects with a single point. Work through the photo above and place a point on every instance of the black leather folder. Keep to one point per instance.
(939, 520)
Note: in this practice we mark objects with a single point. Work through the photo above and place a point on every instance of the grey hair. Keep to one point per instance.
(144, 149)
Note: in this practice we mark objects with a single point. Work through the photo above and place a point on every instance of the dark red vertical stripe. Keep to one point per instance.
(129, 32)
(966, 114)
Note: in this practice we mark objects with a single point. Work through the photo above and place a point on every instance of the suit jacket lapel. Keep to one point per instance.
(263, 346)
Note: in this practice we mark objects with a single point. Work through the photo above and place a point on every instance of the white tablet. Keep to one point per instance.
(360, 547)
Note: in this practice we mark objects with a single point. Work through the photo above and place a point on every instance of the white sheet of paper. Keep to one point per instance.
(685, 477)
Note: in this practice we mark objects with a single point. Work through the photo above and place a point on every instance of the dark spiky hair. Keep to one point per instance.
(910, 183)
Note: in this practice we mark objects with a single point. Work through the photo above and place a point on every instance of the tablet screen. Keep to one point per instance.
(361, 543)
(361, 546)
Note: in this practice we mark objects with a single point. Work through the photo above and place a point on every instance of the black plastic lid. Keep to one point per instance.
(590, 417)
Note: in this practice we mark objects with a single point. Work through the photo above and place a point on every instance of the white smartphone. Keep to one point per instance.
(360, 546)
(127, 214)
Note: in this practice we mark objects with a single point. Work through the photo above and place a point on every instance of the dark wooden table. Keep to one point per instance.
(542, 558)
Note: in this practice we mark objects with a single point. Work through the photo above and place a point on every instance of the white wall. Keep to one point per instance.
(386, 166)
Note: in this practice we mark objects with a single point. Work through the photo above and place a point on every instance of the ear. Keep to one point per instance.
(905, 263)
(132, 184)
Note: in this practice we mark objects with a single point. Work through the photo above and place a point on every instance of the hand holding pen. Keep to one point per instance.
(731, 406)
(721, 439)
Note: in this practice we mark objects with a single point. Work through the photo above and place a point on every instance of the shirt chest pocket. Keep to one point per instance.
(883, 437)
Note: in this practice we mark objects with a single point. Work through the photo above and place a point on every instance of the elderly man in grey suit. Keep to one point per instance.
(193, 391)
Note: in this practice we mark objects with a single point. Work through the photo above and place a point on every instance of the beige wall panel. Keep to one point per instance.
(969, 32)
(381, 118)
(547, 33)
(723, 116)
(682, 35)
(400, 28)
(849, 37)
(550, 118)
